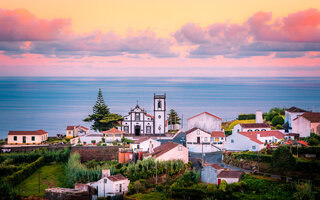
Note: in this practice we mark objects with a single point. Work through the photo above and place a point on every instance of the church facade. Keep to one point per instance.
(139, 123)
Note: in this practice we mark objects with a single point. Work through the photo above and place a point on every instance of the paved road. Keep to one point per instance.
(214, 158)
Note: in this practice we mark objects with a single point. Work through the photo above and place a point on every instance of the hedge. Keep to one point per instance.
(253, 157)
(246, 116)
(29, 169)
(307, 150)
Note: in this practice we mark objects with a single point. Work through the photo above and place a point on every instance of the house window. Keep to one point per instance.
(249, 130)
(33, 138)
(263, 129)
(266, 141)
(138, 146)
(275, 140)
(232, 141)
(253, 147)
(222, 138)
(269, 140)
(15, 138)
(238, 130)
(148, 129)
(257, 130)
(69, 132)
(137, 116)
(198, 132)
(180, 148)
(205, 139)
(126, 129)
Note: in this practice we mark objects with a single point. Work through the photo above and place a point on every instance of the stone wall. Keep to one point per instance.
(31, 148)
(102, 153)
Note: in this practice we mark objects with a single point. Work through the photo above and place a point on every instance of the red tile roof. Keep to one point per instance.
(160, 150)
(230, 174)
(113, 131)
(304, 143)
(253, 135)
(216, 166)
(38, 132)
(70, 128)
(217, 134)
(255, 125)
(149, 115)
(118, 177)
(295, 110)
(205, 113)
(313, 117)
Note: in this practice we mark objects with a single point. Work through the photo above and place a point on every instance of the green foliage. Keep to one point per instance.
(79, 173)
(173, 117)
(102, 118)
(223, 185)
(20, 175)
(146, 168)
(283, 160)
(279, 127)
(246, 116)
(277, 120)
(304, 192)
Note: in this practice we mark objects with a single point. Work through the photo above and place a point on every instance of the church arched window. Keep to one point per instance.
(159, 104)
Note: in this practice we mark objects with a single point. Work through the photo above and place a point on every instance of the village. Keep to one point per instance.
(140, 154)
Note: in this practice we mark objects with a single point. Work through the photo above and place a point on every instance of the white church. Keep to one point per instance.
(139, 123)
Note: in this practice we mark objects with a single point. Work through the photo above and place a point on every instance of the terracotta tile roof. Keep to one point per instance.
(255, 125)
(140, 140)
(295, 109)
(195, 128)
(85, 128)
(70, 128)
(217, 134)
(304, 143)
(113, 131)
(118, 177)
(313, 117)
(230, 174)
(216, 166)
(149, 115)
(205, 113)
(253, 135)
(162, 149)
(38, 132)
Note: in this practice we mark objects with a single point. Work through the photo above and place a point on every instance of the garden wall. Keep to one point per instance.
(97, 153)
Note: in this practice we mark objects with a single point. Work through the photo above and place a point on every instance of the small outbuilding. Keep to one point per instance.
(27, 137)
(229, 176)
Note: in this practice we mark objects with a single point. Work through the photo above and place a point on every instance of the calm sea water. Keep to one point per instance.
(53, 103)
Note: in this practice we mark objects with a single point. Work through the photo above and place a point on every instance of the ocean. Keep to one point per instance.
(52, 103)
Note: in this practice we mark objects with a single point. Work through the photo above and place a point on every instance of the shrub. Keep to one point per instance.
(277, 120)
(282, 160)
(223, 185)
(246, 116)
(304, 191)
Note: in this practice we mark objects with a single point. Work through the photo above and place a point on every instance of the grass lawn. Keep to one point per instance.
(235, 122)
(50, 176)
(150, 196)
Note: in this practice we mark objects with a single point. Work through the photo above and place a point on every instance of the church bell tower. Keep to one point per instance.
(159, 105)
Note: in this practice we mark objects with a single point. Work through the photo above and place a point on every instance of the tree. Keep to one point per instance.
(277, 120)
(283, 160)
(102, 118)
(173, 118)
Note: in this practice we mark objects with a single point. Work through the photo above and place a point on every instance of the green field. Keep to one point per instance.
(235, 122)
(50, 176)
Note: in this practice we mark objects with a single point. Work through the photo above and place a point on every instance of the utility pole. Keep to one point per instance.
(202, 151)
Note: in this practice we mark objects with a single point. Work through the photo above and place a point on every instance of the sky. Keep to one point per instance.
(177, 38)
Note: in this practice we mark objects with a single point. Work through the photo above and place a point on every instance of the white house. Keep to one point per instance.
(92, 138)
(308, 122)
(169, 151)
(252, 141)
(74, 131)
(229, 176)
(138, 122)
(205, 121)
(27, 137)
(251, 127)
(198, 140)
(111, 185)
(210, 172)
(113, 135)
(291, 114)
(143, 144)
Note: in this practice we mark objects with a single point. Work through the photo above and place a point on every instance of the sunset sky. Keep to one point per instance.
(160, 38)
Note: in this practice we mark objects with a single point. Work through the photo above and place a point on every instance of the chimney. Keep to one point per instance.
(150, 147)
(259, 118)
(105, 173)
(258, 136)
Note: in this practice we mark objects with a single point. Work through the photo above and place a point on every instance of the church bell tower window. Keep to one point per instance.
(159, 104)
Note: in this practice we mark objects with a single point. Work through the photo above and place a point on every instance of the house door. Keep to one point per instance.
(24, 139)
(198, 140)
(120, 188)
(137, 130)
(219, 181)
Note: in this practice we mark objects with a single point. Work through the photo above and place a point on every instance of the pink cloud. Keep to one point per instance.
(21, 25)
